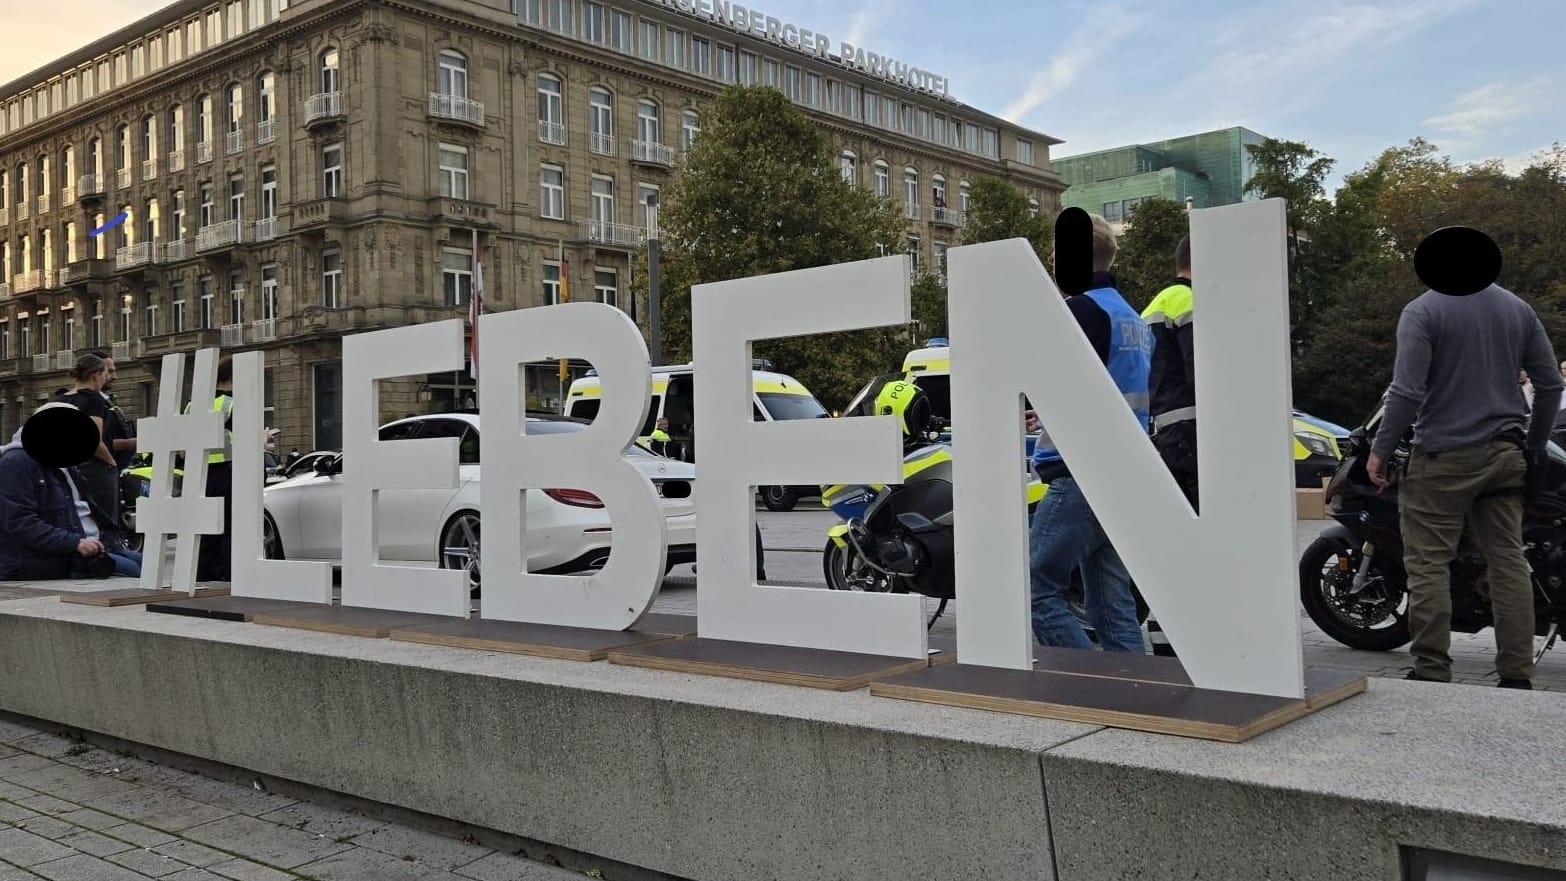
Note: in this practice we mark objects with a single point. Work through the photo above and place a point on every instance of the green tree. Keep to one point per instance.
(999, 210)
(761, 193)
(1294, 172)
(929, 307)
(1145, 262)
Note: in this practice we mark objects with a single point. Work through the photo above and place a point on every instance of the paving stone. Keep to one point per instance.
(232, 797)
(87, 818)
(6, 752)
(264, 842)
(506, 867)
(147, 862)
(86, 868)
(105, 762)
(12, 792)
(51, 745)
(72, 784)
(139, 835)
(160, 810)
(95, 844)
(316, 819)
(244, 870)
(16, 765)
(362, 864)
(26, 849)
(192, 854)
(47, 804)
(11, 812)
(47, 827)
(10, 731)
(194, 875)
(427, 848)
(9, 872)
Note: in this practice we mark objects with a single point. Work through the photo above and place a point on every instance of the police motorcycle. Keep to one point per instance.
(1352, 581)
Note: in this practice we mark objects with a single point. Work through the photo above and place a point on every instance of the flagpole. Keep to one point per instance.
(475, 309)
(565, 297)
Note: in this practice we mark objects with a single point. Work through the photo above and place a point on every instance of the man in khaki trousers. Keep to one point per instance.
(1460, 346)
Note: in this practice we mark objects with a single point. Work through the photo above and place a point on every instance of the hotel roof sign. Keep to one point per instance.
(813, 43)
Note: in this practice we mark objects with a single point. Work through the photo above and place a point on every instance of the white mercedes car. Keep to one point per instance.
(567, 529)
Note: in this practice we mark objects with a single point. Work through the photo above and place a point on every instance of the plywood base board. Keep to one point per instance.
(225, 608)
(809, 668)
(346, 620)
(1098, 699)
(669, 624)
(135, 596)
(515, 637)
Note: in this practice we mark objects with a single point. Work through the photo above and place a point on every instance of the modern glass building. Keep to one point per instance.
(1209, 169)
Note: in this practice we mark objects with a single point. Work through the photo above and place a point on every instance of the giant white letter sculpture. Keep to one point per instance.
(254, 576)
(370, 465)
(1224, 585)
(516, 463)
(737, 454)
(191, 513)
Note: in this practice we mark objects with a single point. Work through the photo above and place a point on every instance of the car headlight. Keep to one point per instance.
(1318, 445)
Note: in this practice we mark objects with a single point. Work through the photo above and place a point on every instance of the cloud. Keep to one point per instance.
(863, 23)
(1101, 31)
(1484, 110)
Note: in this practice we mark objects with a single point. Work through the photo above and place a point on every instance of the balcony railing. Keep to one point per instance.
(139, 254)
(122, 178)
(203, 152)
(149, 169)
(551, 132)
(600, 143)
(23, 211)
(235, 142)
(326, 105)
(121, 351)
(176, 161)
(222, 235)
(266, 229)
(912, 212)
(602, 232)
(176, 251)
(89, 185)
(233, 335)
(652, 153)
(67, 196)
(43, 203)
(266, 131)
(946, 216)
(457, 107)
(43, 363)
(28, 282)
(64, 360)
(263, 330)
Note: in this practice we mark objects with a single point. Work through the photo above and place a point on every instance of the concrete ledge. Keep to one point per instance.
(707, 778)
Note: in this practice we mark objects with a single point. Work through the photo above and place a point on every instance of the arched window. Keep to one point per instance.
(236, 107)
(94, 156)
(649, 126)
(451, 74)
(911, 193)
(850, 166)
(175, 126)
(204, 120)
(964, 196)
(266, 97)
(68, 171)
(331, 71)
(149, 138)
(883, 179)
(600, 121)
(938, 192)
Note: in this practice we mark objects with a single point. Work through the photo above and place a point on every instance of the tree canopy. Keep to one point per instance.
(1145, 262)
(999, 210)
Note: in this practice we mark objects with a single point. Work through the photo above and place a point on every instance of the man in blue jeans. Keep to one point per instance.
(1065, 533)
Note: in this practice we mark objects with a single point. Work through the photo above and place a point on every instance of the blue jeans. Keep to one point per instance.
(126, 562)
(1065, 536)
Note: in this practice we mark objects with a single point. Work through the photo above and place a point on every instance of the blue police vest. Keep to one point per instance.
(1130, 361)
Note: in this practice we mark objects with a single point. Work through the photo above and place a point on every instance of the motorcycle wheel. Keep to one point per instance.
(1375, 620)
(779, 499)
(844, 570)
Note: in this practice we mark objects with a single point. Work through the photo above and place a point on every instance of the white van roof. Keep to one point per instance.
(935, 361)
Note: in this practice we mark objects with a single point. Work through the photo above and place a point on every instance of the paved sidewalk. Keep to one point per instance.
(73, 812)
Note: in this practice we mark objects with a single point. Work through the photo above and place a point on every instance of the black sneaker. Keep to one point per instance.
(1413, 675)
(1524, 684)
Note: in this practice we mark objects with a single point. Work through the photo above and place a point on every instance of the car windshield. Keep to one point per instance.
(788, 407)
(550, 426)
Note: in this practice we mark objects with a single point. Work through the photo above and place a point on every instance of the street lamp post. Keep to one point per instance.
(654, 280)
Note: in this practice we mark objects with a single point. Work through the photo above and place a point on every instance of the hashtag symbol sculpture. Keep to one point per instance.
(191, 513)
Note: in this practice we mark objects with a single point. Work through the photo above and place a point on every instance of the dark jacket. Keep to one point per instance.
(39, 529)
(1172, 382)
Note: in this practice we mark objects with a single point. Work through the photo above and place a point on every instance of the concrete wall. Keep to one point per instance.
(708, 778)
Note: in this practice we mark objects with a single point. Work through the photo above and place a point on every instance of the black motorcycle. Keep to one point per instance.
(1352, 581)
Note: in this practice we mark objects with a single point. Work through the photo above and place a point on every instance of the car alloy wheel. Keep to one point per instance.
(459, 547)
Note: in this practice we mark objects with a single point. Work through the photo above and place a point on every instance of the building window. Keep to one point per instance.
(883, 180)
(236, 298)
(453, 171)
(177, 220)
(551, 283)
(600, 122)
(701, 55)
(529, 11)
(149, 313)
(457, 276)
(748, 68)
(268, 192)
(646, 206)
(620, 30)
(236, 107)
(991, 143)
(771, 73)
(850, 166)
(649, 42)
(913, 254)
(649, 129)
(603, 200)
(938, 192)
(204, 123)
(236, 197)
(205, 219)
(269, 293)
(674, 47)
(606, 286)
(328, 389)
(592, 21)
(726, 64)
(872, 108)
(332, 279)
(1112, 212)
(331, 71)
(690, 127)
(791, 82)
(1024, 151)
(964, 196)
(853, 98)
(176, 133)
(551, 188)
(204, 284)
(812, 90)
(911, 193)
(562, 15)
(451, 74)
(834, 96)
(332, 171)
(551, 111)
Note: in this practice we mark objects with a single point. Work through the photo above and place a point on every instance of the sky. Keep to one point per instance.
(1482, 79)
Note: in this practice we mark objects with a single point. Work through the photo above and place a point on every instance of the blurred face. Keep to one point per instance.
(112, 375)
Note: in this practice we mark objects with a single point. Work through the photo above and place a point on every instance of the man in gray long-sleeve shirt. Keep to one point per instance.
(1455, 382)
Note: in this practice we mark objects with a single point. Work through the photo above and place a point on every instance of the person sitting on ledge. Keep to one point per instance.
(50, 528)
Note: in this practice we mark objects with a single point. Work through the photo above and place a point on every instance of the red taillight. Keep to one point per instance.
(576, 498)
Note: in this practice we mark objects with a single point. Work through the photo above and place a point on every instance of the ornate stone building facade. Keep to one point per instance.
(290, 175)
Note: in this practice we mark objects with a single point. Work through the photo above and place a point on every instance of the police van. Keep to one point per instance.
(1316, 442)
(775, 397)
